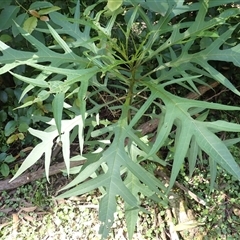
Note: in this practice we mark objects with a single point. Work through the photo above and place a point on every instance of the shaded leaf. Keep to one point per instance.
(9, 159)
(3, 96)
(157, 6)
(19, 20)
(44, 18)
(23, 127)
(5, 38)
(10, 127)
(7, 15)
(3, 115)
(4, 169)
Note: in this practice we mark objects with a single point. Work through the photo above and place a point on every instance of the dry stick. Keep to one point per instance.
(202, 89)
(30, 177)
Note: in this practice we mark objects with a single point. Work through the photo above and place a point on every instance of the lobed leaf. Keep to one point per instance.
(177, 113)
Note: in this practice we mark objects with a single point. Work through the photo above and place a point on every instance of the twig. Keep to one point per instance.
(30, 177)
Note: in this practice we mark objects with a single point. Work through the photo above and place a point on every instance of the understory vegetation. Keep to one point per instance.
(122, 116)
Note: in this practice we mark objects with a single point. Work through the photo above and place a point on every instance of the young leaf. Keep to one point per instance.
(12, 139)
(30, 24)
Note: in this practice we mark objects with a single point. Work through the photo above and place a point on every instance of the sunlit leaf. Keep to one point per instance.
(12, 139)
(3, 96)
(30, 24)
(114, 4)
(10, 127)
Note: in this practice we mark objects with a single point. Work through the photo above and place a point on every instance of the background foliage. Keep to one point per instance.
(93, 73)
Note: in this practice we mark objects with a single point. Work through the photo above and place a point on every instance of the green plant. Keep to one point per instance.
(135, 63)
(4, 161)
(220, 215)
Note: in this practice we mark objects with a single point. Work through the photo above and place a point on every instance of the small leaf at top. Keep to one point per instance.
(156, 6)
(49, 10)
(40, 4)
(114, 4)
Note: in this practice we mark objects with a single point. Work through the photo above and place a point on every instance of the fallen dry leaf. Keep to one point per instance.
(15, 220)
(27, 209)
(28, 218)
